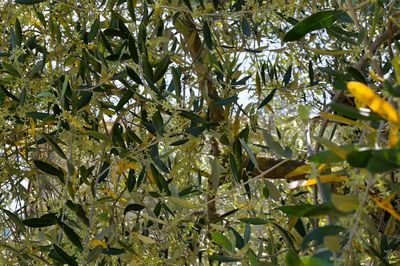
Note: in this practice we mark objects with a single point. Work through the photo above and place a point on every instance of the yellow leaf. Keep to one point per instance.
(386, 205)
(393, 136)
(236, 125)
(244, 249)
(367, 96)
(312, 181)
(31, 130)
(345, 203)
(108, 192)
(301, 170)
(269, 107)
(332, 242)
(125, 164)
(346, 121)
(96, 242)
(183, 203)
(375, 76)
(151, 177)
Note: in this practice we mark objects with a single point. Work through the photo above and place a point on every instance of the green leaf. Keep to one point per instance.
(234, 167)
(319, 234)
(356, 74)
(176, 81)
(79, 211)
(94, 30)
(117, 138)
(392, 89)
(256, 221)
(285, 235)
(147, 69)
(104, 170)
(18, 32)
(254, 261)
(287, 76)
(344, 203)
(60, 255)
(311, 72)
(160, 180)
(162, 68)
(183, 203)
(292, 259)
(222, 258)
(114, 251)
(246, 29)
(133, 52)
(250, 153)
(133, 207)
(43, 221)
(320, 20)
(15, 219)
(226, 101)
(131, 9)
(308, 210)
(28, 2)
(72, 235)
(126, 96)
(325, 157)
(55, 146)
(94, 254)
(38, 115)
(274, 192)
(359, 158)
(96, 134)
(267, 99)
(131, 180)
(215, 174)
(315, 261)
(265, 192)
(193, 117)
(132, 74)
(272, 144)
(378, 164)
(220, 239)
(11, 70)
(207, 35)
(84, 100)
(50, 169)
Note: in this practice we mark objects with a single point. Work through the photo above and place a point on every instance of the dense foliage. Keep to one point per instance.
(183, 132)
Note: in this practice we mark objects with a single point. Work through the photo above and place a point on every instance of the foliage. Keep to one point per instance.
(199, 132)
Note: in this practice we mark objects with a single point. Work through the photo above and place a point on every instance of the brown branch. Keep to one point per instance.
(186, 26)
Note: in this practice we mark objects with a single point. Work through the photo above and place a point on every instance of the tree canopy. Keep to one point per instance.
(183, 132)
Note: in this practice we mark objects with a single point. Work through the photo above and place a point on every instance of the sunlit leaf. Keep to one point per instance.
(367, 96)
(386, 205)
(301, 170)
(220, 239)
(323, 178)
(344, 203)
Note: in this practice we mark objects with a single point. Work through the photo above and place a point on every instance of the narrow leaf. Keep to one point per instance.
(250, 153)
(267, 99)
(55, 146)
(320, 20)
